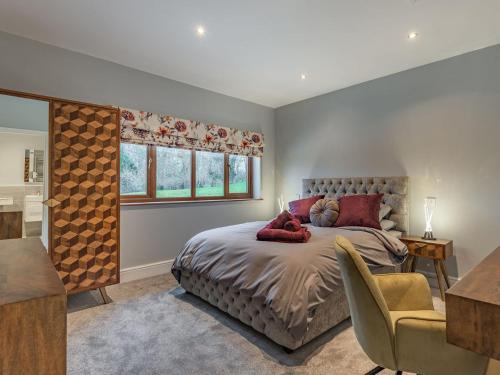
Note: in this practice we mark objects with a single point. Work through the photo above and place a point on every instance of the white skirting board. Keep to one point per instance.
(158, 268)
(145, 270)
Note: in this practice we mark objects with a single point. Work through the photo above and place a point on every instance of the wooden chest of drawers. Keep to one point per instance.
(430, 251)
(436, 250)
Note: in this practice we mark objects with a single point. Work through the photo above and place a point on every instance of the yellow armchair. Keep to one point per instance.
(395, 322)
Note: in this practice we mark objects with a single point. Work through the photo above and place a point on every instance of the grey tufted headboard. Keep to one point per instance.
(395, 190)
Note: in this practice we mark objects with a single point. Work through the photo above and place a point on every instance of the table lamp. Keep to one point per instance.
(429, 207)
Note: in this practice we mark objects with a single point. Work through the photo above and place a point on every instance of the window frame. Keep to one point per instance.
(150, 197)
(138, 198)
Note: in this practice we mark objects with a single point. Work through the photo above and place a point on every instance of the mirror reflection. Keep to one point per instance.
(33, 166)
(23, 167)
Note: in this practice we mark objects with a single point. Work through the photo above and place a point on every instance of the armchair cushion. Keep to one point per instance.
(421, 346)
(430, 315)
(405, 291)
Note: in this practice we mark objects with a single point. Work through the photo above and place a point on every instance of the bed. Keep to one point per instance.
(291, 293)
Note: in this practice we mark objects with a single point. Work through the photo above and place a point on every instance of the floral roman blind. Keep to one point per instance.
(164, 130)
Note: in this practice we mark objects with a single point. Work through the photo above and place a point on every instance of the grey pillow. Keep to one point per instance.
(385, 209)
(324, 213)
(387, 224)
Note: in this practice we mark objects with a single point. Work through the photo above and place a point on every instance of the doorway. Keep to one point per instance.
(24, 129)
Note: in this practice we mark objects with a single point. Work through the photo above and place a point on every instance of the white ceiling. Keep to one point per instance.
(257, 49)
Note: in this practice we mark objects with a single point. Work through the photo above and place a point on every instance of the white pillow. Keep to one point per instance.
(387, 224)
(395, 233)
(385, 209)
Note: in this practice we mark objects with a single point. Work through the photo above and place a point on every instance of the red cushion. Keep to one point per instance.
(359, 211)
(301, 207)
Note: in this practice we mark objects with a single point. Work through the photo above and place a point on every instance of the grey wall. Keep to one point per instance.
(438, 124)
(148, 233)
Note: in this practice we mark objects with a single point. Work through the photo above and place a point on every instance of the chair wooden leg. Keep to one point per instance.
(437, 267)
(374, 371)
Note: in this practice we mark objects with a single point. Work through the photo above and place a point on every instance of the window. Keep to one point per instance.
(133, 169)
(153, 173)
(238, 174)
(209, 174)
(173, 173)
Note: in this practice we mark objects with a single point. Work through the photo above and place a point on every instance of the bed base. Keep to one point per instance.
(254, 312)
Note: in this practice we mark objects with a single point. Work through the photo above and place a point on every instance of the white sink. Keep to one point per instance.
(6, 201)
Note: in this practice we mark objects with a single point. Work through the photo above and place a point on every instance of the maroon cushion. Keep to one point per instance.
(300, 208)
(359, 211)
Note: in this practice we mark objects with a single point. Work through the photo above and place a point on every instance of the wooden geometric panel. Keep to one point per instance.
(85, 184)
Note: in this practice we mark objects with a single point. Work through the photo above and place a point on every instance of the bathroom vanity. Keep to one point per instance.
(11, 225)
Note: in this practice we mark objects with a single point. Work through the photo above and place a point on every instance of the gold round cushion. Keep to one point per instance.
(324, 213)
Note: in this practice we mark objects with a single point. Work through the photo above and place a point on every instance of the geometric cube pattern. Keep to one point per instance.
(84, 180)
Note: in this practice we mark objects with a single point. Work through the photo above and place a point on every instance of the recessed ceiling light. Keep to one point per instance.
(200, 30)
(303, 76)
(412, 35)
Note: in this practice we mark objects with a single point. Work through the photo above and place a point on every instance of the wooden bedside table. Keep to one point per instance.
(437, 250)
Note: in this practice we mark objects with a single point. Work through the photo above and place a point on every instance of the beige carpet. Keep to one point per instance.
(153, 327)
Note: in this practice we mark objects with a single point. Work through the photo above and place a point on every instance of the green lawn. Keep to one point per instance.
(210, 191)
(238, 187)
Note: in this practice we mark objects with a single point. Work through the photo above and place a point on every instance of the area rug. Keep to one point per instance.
(170, 332)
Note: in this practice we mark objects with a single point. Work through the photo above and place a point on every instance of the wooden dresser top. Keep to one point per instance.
(26, 271)
(482, 283)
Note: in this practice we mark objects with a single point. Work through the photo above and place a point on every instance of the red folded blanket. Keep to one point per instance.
(281, 235)
(284, 228)
(292, 225)
(280, 220)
